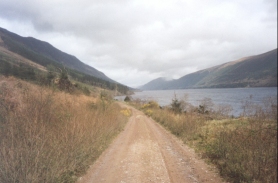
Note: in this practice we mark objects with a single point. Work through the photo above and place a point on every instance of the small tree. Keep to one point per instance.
(127, 99)
(5, 68)
(50, 77)
(176, 105)
(206, 106)
(64, 82)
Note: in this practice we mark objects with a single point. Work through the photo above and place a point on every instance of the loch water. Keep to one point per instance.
(235, 97)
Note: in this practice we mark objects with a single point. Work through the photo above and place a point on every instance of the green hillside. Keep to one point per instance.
(254, 71)
(21, 57)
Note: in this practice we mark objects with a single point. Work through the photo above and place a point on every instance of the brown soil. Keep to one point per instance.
(146, 152)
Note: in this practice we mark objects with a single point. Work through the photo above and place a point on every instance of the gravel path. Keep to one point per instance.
(146, 152)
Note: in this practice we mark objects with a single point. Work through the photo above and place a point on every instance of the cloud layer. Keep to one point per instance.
(134, 41)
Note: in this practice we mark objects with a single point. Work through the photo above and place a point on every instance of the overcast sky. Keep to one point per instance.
(135, 41)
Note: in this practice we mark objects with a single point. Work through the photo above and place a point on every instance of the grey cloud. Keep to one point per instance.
(145, 39)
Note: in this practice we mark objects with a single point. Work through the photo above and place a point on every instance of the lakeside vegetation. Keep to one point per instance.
(52, 135)
(50, 127)
(243, 149)
(55, 126)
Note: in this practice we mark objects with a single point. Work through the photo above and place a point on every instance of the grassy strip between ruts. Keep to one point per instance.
(52, 136)
(244, 149)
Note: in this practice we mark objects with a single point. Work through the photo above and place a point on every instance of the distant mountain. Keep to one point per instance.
(253, 71)
(155, 84)
(23, 45)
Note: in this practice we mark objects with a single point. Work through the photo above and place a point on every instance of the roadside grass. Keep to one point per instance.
(244, 149)
(243, 152)
(127, 112)
(52, 136)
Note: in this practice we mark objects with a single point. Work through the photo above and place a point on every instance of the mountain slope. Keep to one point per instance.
(35, 60)
(254, 71)
(15, 43)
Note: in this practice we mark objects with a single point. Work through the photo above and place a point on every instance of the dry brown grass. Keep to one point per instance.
(50, 136)
(243, 149)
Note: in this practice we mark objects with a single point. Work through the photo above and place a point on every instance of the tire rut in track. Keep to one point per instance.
(145, 152)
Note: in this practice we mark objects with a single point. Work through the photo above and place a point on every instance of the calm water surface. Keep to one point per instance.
(228, 96)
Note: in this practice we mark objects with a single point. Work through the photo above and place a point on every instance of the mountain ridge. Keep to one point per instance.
(253, 71)
(35, 60)
(46, 49)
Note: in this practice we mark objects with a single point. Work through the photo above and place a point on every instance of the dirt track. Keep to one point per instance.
(145, 152)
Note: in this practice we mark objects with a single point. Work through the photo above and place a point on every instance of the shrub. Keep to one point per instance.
(176, 105)
(64, 83)
(243, 149)
(127, 99)
(51, 136)
(126, 112)
(86, 91)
